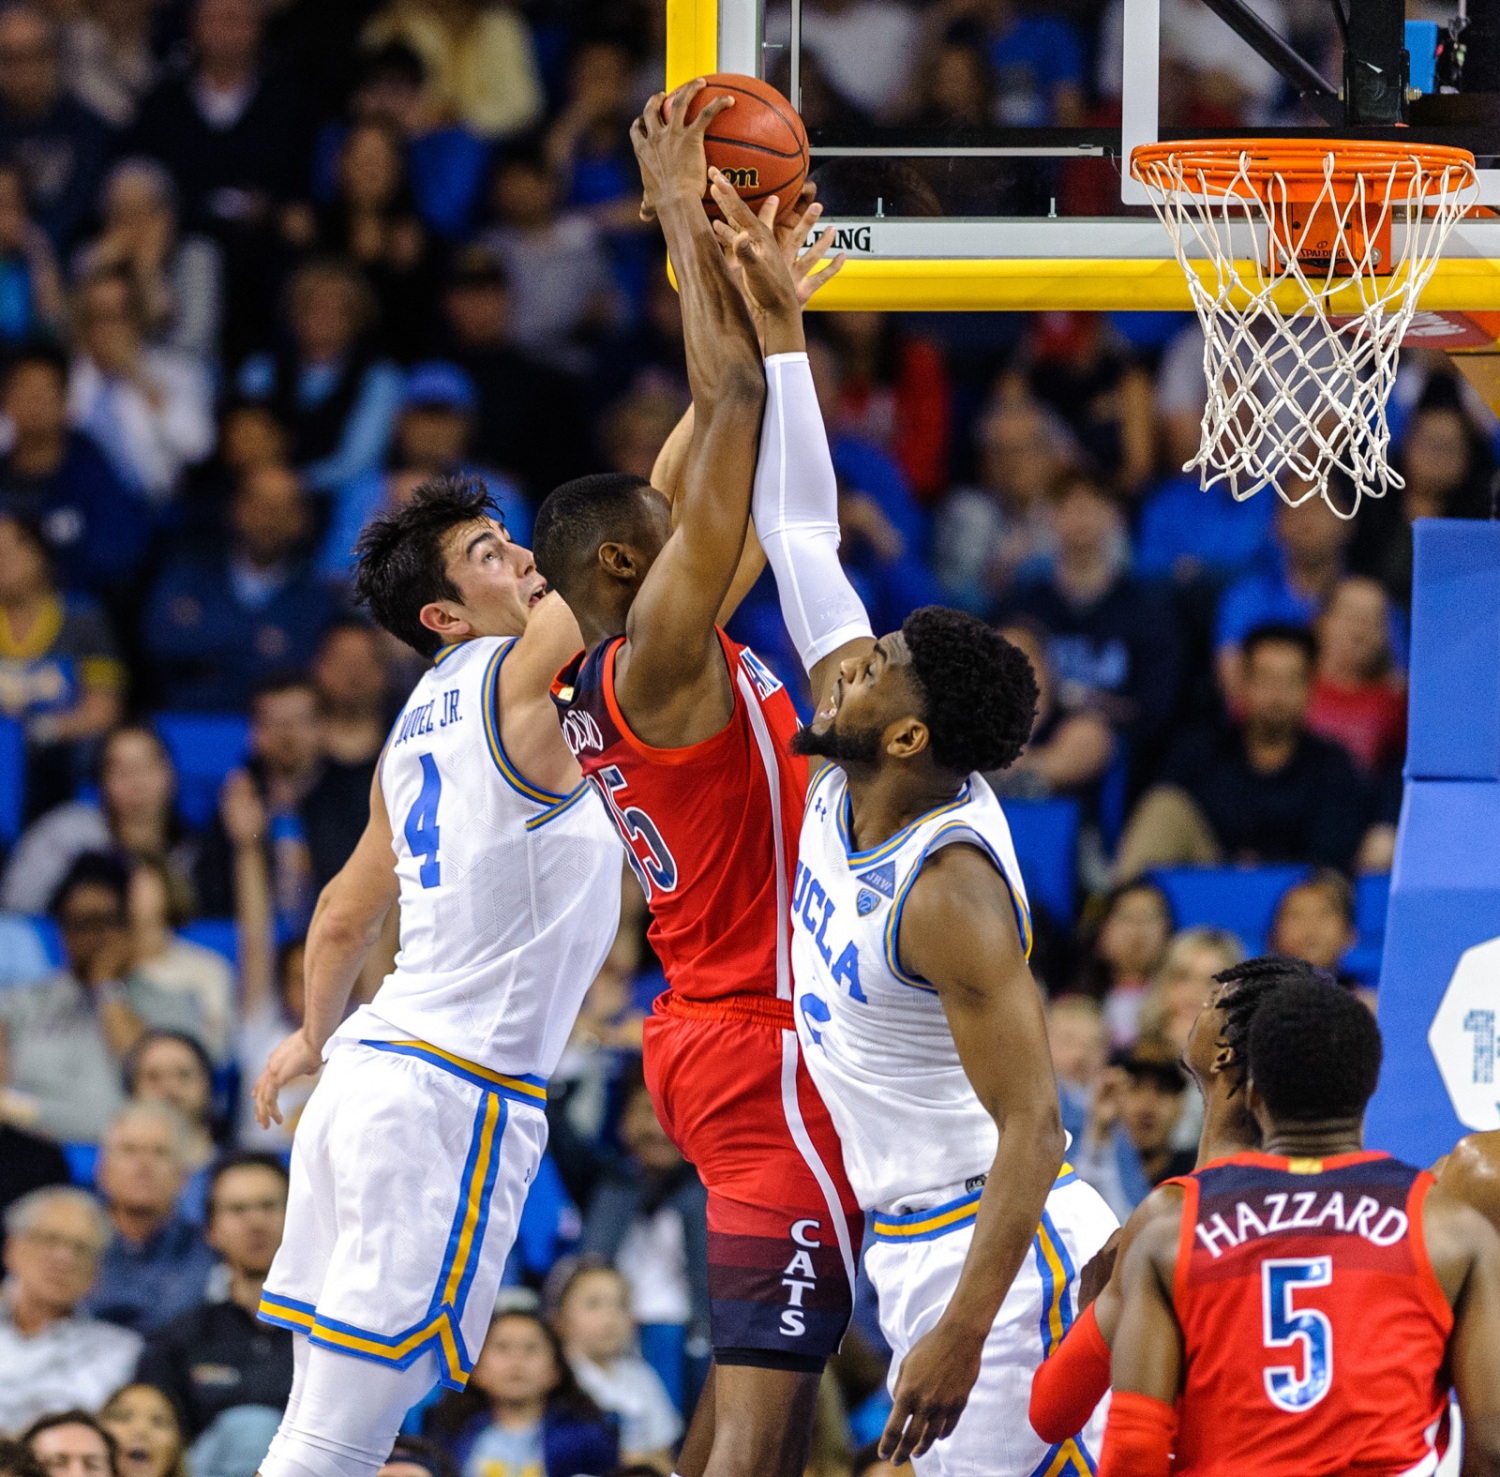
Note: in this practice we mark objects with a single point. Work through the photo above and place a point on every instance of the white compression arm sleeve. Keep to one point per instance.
(795, 510)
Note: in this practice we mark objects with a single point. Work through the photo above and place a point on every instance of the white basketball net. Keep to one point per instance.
(1297, 388)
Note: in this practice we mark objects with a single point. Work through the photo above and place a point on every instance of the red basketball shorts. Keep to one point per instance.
(731, 1089)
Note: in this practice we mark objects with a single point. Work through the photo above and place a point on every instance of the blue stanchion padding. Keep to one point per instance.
(1454, 706)
(204, 748)
(1241, 899)
(1045, 833)
(1372, 896)
(12, 779)
(1421, 46)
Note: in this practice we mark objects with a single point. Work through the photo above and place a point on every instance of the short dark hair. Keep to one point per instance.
(38, 351)
(92, 869)
(74, 1417)
(1281, 633)
(394, 59)
(400, 562)
(577, 517)
(979, 692)
(242, 1159)
(1332, 883)
(16, 1460)
(287, 680)
(1315, 1052)
(149, 1038)
(1243, 987)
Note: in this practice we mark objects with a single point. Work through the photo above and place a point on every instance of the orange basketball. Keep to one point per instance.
(759, 143)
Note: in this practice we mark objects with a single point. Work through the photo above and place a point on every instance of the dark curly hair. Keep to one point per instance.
(979, 692)
(1244, 986)
(400, 561)
(1315, 1052)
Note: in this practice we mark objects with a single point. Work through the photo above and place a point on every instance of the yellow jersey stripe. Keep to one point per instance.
(1054, 1310)
(488, 692)
(473, 1194)
(513, 1084)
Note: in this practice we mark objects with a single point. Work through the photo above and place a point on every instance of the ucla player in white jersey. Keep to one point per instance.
(921, 1022)
(412, 1160)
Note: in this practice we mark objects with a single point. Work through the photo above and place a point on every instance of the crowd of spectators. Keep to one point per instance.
(265, 265)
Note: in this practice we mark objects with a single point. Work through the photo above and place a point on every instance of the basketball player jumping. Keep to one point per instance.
(686, 736)
(412, 1161)
(1304, 1310)
(920, 1020)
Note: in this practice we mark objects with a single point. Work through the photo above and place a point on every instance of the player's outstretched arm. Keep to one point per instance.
(671, 667)
(959, 932)
(529, 726)
(345, 925)
(794, 504)
(1147, 1364)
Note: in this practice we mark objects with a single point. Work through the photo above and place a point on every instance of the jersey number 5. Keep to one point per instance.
(421, 827)
(654, 865)
(1286, 1326)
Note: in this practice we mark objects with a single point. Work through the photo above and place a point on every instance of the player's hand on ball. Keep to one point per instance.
(762, 256)
(794, 231)
(669, 149)
(931, 1391)
(295, 1057)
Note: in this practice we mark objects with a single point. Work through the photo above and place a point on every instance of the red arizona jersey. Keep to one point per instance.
(1315, 1330)
(711, 829)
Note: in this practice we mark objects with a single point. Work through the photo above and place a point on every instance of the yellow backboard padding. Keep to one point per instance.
(692, 40)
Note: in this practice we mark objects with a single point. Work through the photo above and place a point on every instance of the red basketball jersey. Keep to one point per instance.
(711, 830)
(1314, 1327)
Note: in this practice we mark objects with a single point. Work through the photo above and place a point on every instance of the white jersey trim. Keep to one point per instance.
(766, 746)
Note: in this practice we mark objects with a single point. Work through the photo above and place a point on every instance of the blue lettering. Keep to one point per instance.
(813, 890)
(847, 970)
(799, 886)
(814, 1009)
(450, 708)
(823, 948)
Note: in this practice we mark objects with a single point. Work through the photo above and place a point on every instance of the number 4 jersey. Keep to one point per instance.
(1314, 1327)
(510, 895)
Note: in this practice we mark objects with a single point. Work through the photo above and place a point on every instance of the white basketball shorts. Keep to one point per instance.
(409, 1171)
(914, 1261)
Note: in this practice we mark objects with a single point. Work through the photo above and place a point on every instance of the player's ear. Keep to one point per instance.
(906, 738)
(619, 561)
(444, 621)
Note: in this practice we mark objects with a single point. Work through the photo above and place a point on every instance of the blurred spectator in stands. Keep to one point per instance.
(1447, 468)
(221, 621)
(593, 1320)
(1079, 1043)
(894, 393)
(531, 422)
(1314, 920)
(1185, 981)
(135, 816)
(96, 527)
(373, 222)
(563, 292)
(433, 433)
(1260, 789)
(1310, 541)
(523, 1411)
(1038, 62)
(27, 1161)
(1359, 698)
(1070, 749)
(236, 136)
(109, 62)
(413, 1456)
(147, 1431)
(52, 1356)
(588, 144)
(1111, 639)
(328, 386)
(354, 692)
(71, 1443)
(60, 675)
(179, 279)
(17, 1461)
(61, 144)
(1188, 533)
(172, 1067)
(636, 428)
(159, 901)
(31, 293)
(66, 1035)
(867, 49)
(1004, 521)
(445, 163)
(216, 1357)
(1125, 951)
(156, 1264)
(481, 64)
(1075, 363)
(150, 409)
(648, 353)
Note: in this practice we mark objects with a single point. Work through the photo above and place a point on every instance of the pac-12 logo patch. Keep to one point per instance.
(882, 879)
(866, 902)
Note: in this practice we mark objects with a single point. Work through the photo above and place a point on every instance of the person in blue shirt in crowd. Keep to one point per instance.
(219, 623)
(31, 293)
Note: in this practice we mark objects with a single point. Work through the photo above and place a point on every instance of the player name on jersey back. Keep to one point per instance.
(509, 894)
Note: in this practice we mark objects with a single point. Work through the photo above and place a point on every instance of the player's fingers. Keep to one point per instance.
(913, 1440)
(895, 1425)
(653, 115)
(801, 225)
(727, 198)
(709, 112)
(817, 251)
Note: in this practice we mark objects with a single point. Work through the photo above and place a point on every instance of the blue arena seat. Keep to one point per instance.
(1372, 897)
(12, 779)
(1241, 899)
(204, 748)
(1045, 833)
(217, 934)
(81, 1161)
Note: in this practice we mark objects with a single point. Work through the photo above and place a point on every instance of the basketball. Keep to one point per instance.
(759, 143)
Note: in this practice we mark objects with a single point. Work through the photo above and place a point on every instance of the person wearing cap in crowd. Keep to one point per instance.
(438, 408)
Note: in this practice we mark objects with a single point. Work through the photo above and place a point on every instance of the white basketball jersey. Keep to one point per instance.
(876, 1039)
(510, 895)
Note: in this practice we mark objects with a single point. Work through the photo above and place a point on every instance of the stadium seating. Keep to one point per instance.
(12, 780)
(1045, 833)
(204, 748)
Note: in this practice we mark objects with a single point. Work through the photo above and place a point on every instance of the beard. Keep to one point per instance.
(846, 746)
